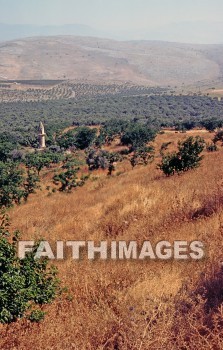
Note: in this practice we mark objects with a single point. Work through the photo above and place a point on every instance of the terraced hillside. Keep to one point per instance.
(44, 90)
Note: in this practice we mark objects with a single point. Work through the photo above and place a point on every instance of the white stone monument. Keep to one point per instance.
(42, 136)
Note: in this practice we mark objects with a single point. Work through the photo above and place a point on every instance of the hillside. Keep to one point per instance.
(130, 304)
(84, 58)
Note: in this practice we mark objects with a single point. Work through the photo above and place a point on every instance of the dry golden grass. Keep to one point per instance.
(129, 304)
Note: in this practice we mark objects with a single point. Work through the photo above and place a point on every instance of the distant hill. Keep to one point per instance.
(196, 32)
(89, 58)
(18, 31)
(199, 32)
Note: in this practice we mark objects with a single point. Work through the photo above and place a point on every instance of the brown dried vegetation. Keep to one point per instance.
(123, 305)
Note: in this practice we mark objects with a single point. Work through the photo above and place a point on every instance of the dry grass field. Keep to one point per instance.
(131, 305)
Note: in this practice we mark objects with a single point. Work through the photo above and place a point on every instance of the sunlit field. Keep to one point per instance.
(130, 304)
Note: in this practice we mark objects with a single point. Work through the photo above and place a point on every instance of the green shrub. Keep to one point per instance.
(39, 160)
(187, 157)
(31, 183)
(97, 159)
(211, 124)
(102, 159)
(84, 137)
(80, 138)
(189, 152)
(11, 184)
(169, 164)
(142, 155)
(218, 136)
(211, 147)
(137, 136)
(24, 283)
(15, 183)
(36, 315)
(110, 130)
(68, 178)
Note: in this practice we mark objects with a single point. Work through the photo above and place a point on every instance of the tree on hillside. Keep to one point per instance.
(187, 157)
(211, 147)
(110, 130)
(137, 136)
(31, 182)
(66, 140)
(80, 138)
(186, 125)
(68, 177)
(211, 124)
(218, 136)
(84, 137)
(39, 160)
(15, 183)
(102, 159)
(96, 159)
(25, 284)
(142, 155)
(5, 149)
(113, 158)
(7, 144)
(11, 184)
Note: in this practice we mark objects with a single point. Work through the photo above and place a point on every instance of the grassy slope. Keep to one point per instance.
(126, 305)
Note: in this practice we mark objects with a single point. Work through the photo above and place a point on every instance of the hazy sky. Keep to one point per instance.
(115, 15)
(110, 14)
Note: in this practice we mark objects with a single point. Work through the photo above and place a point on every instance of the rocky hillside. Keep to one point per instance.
(142, 62)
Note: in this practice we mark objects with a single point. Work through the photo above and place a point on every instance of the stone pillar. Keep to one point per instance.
(42, 136)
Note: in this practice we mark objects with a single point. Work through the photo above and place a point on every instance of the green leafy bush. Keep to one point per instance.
(187, 157)
(36, 315)
(169, 164)
(212, 124)
(102, 159)
(31, 182)
(84, 137)
(110, 130)
(80, 138)
(11, 184)
(211, 147)
(67, 178)
(97, 159)
(24, 283)
(16, 184)
(39, 160)
(137, 136)
(218, 136)
(142, 155)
